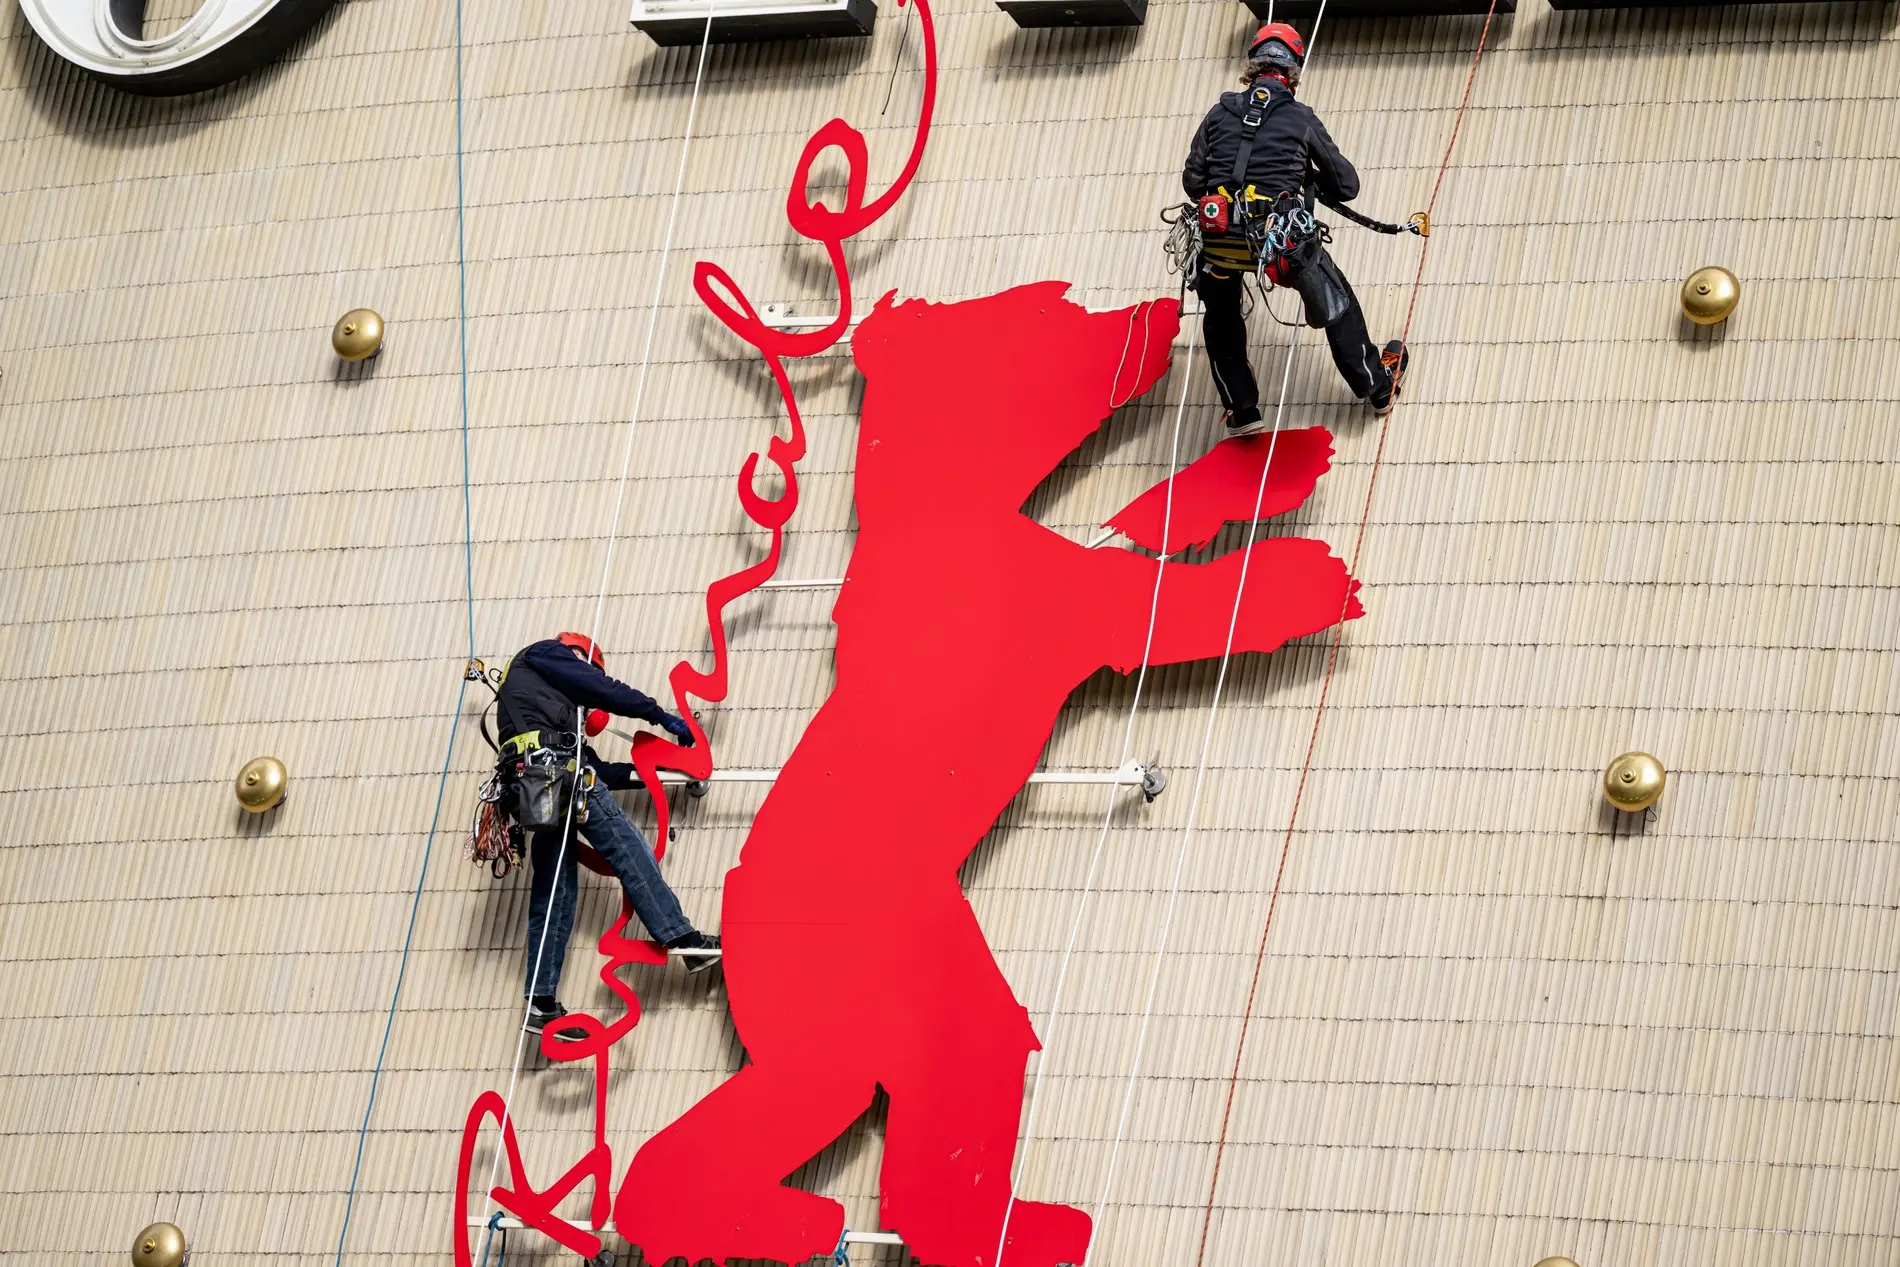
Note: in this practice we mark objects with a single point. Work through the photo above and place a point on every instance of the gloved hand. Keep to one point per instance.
(596, 722)
(677, 727)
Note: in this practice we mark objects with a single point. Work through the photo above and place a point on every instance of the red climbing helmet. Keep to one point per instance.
(585, 645)
(1285, 35)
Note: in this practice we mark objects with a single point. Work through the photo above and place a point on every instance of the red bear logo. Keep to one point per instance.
(963, 625)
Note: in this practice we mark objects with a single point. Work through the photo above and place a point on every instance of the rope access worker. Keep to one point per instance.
(542, 692)
(1256, 164)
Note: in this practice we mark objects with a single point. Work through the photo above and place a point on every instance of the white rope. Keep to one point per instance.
(1128, 738)
(606, 569)
(1207, 740)
(1194, 802)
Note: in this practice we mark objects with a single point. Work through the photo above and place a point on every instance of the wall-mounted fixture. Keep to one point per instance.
(261, 784)
(675, 22)
(1075, 12)
(160, 1245)
(358, 334)
(1632, 783)
(1301, 10)
(1710, 295)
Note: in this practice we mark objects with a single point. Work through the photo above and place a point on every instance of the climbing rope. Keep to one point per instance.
(1207, 738)
(1332, 654)
(1181, 243)
(1048, 1029)
(494, 1225)
(1200, 780)
(455, 716)
(606, 567)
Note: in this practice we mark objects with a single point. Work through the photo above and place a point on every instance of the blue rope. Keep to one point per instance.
(461, 266)
(494, 1221)
(455, 720)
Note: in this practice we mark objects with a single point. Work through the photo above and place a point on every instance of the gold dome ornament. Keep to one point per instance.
(1633, 782)
(160, 1245)
(358, 335)
(261, 784)
(1710, 295)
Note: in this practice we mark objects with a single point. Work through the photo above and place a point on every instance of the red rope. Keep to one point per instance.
(1332, 654)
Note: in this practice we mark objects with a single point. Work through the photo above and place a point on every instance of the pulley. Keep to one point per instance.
(160, 1245)
(358, 334)
(261, 784)
(1710, 295)
(1633, 782)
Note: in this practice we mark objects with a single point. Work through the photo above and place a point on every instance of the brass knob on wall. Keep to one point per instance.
(358, 335)
(261, 784)
(1634, 781)
(160, 1245)
(1710, 295)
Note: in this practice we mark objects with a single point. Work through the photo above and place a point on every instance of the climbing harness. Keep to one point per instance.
(1237, 229)
(530, 789)
(1250, 233)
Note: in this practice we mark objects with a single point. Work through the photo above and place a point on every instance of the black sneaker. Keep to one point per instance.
(694, 943)
(542, 1014)
(1394, 357)
(1244, 422)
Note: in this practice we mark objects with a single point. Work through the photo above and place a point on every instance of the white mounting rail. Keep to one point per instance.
(1133, 772)
(513, 1224)
(819, 583)
(1150, 778)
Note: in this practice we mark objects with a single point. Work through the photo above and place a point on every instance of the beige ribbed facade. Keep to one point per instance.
(1493, 1024)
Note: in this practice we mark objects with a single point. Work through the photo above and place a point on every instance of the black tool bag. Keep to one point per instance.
(542, 794)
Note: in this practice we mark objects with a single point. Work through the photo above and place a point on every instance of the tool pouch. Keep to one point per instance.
(541, 797)
(1322, 286)
(1215, 212)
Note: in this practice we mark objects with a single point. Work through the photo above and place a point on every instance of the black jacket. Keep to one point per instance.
(1290, 152)
(546, 684)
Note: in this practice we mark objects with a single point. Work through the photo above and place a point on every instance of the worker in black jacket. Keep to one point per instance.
(1258, 153)
(543, 692)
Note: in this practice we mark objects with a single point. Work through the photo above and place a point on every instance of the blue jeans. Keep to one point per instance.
(551, 905)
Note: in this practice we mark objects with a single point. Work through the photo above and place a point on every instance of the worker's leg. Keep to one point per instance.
(1225, 332)
(615, 838)
(1331, 303)
(1355, 355)
(550, 911)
